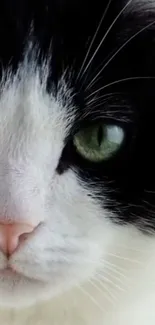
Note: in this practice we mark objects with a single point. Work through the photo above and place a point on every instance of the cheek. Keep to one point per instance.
(72, 209)
(77, 230)
(76, 214)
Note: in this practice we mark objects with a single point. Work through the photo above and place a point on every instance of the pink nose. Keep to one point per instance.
(11, 236)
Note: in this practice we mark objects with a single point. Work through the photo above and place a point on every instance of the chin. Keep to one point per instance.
(17, 291)
(20, 291)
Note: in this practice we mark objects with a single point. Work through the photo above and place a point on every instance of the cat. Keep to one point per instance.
(77, 166)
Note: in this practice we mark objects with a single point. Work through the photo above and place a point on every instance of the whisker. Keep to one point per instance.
(105, 101)
(113, 269)
(103, 277)
(91, 103)
(112, 111)
(90, 297)
(110, 275)
(106, 115)
(124, 258)
(105, 36)
(119, 81)
(114, 266)
(100, 103)
(121, 106)
(93, 39)
(96, 98)
(117, 52)
(137, 250)
(114, 299)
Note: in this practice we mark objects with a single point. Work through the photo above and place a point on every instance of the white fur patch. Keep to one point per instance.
(121, 292)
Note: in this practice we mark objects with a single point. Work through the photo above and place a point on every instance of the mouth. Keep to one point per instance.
(9, 271)
(15, 286)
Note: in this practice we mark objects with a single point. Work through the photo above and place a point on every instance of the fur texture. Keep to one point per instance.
(64, 66)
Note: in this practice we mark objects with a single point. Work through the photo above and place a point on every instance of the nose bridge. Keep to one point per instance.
(11, 176)
(24, 149)
(23, 192)
(16, 192)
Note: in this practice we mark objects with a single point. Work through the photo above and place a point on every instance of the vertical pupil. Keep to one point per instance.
(100, 135)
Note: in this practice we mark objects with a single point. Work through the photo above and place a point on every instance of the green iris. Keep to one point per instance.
(99, 142)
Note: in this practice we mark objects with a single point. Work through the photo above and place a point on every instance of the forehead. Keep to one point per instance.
(79, 36)
(64, 24)
(67, 25)
(85, 41)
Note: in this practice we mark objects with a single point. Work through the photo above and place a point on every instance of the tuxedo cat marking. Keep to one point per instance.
(77, 180)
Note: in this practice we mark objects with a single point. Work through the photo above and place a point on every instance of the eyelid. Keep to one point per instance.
(93, 123)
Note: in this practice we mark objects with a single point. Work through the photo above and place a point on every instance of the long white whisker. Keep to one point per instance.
(103, 277)
(113, 269)
(110, 274)
(109, 265)
(110, 112)
(124, 258)
(105, 288)
(93, 39)
(90, 297)
(119, 81)
(100, 103)
(121, 106)
(105, 115)
(95, 99)
(117, 52)
(114, 266)
(132, 249)
(105, 36)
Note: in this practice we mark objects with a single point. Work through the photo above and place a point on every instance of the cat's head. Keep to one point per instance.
(76, 139)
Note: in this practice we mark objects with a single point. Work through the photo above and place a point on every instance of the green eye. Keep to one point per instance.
(99, 142)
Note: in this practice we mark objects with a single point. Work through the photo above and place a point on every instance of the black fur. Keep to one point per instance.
(64, 30)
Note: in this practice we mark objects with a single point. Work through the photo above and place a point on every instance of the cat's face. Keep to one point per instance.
(76, 137)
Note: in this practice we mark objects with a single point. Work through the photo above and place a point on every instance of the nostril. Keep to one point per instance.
(12, 235)
(25, 236)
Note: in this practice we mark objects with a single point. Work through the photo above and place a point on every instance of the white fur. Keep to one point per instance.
(126, 297)
(78, 267)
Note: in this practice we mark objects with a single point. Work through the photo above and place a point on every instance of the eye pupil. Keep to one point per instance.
(100, 135)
